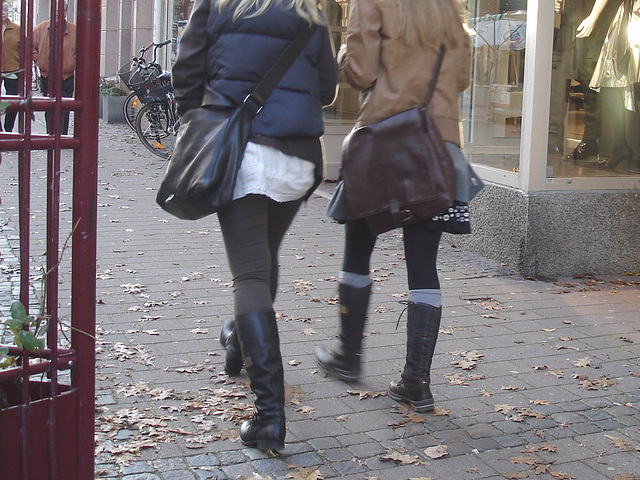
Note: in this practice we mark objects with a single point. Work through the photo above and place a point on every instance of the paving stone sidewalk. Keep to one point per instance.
(532, 379)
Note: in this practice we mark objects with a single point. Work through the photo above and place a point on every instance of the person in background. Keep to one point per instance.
(41, 56)
(226, 49)
(390, 53)
(10, 61)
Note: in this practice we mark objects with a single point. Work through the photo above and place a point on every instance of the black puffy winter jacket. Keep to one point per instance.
(233, 56)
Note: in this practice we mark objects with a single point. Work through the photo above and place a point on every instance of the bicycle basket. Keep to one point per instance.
(153, 91)
(125, 73)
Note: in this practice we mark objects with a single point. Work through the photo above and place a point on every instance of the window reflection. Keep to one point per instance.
(345, 108)
(492, 106)
(181, 12)
(594, 111)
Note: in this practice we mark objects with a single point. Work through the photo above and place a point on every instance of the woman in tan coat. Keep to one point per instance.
(390, 53)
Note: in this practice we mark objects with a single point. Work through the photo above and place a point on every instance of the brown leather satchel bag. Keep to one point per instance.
(398, 171)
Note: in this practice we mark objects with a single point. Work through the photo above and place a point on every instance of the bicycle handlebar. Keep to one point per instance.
(144, 50)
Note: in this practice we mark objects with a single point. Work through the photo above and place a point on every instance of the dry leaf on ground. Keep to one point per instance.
(618, 442)
(438, 451)
(516, 475)
(583, 362)
(305, 473)
(537, 448)
(366, 394)
(626, 476)
(440, 411)
(560, 476)
(394, 456)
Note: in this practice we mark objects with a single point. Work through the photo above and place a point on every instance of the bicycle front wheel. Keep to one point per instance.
(132, 105)
(155, 129)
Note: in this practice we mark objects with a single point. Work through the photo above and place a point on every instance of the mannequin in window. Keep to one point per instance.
(614, 76)
(634, 73)
(590, 35)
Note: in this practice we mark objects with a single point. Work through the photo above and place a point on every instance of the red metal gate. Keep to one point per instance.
(47, 421)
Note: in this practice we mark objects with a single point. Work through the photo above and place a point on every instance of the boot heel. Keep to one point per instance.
(266, 445)
(423, 406)
(263, 445)
(340, 363)
(415, 393)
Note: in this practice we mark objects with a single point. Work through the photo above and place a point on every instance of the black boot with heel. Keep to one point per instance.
(423, 325)
(344, 360)
(260, 344)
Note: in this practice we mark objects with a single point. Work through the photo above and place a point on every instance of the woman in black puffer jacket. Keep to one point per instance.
(227, 47)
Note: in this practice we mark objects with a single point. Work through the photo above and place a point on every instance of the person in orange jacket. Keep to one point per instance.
(41, 54)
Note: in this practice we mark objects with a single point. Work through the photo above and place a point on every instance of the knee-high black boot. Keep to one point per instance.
(423, 324)
(229, 340)
(258, 335)
(344, 360)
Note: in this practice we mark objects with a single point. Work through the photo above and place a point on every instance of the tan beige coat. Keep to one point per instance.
(42, 50)
(395, 77)
(10, 47)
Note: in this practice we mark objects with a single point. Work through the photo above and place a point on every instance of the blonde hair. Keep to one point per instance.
(430, 22)
(306, 9)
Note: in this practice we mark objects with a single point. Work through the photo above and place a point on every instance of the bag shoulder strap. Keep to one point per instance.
(436, 73)
(277, 71)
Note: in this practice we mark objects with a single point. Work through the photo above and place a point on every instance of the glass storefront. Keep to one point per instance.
(498, 134)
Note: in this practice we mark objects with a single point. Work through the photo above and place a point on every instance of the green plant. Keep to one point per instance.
(111, 88)
(28, 332)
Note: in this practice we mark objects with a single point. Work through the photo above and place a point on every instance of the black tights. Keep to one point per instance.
(253, 228)
(420, 246)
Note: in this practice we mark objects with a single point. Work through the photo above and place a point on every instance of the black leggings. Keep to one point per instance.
(11, 87)
(420, 247)
(253, 228)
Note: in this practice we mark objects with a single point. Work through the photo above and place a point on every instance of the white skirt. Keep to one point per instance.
(268, 171)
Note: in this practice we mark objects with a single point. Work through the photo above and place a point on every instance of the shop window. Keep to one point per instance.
(345, 108)
(181, 13)
(492, 106)
(585, 89)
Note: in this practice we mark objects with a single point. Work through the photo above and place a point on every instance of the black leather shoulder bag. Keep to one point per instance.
(203, 168)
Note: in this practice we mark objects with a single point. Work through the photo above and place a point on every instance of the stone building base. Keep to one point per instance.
(549, 234)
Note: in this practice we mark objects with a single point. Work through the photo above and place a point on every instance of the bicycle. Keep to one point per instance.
(157, 125)
(141, 77)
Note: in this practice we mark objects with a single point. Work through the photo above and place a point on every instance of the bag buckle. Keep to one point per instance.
(399, 215)
(406, 216)
(255, 103)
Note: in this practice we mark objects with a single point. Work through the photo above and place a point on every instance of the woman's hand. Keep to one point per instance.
(586, 27)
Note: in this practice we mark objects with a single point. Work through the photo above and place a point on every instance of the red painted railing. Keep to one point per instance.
(48, 427)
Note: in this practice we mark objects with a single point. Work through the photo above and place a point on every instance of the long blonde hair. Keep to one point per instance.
(306, 9)
(429, 22)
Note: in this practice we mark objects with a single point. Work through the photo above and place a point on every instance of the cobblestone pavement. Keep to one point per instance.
(532, 379)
